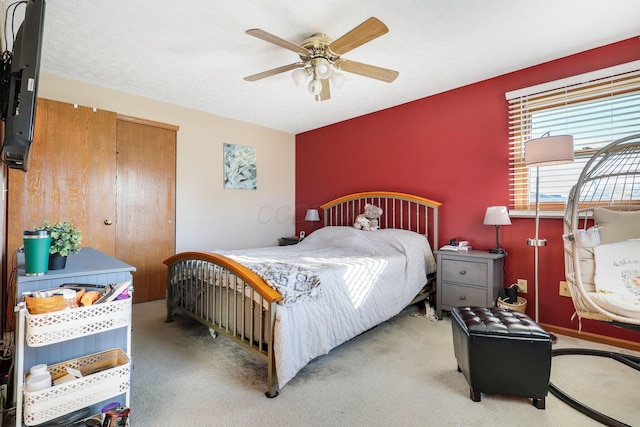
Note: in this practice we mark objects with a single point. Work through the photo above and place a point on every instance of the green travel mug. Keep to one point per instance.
(36, 251)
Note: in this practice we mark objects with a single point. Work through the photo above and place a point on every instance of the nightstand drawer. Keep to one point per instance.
(458, 296)
(465, 272)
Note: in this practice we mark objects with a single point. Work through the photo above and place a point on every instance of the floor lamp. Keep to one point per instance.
(544, 151)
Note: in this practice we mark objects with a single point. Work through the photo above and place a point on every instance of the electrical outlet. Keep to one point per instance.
(522, 285)
(564, 289)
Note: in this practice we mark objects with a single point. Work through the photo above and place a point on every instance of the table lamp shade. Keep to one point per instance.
(497, 215)
(312, 215)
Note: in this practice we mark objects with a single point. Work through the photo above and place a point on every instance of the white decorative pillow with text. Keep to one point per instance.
(617, 275)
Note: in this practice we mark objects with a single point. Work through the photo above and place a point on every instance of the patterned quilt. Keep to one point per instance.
(294, 282)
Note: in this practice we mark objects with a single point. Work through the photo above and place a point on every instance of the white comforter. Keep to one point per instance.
(366, 278)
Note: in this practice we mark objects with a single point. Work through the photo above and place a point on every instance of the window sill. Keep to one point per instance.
(532, 214)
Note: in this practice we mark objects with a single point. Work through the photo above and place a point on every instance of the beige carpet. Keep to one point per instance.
(401, 373)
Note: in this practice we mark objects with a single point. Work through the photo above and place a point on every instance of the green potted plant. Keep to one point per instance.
(65, 239)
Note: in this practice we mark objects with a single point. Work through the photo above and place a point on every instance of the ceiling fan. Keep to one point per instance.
(320, 58)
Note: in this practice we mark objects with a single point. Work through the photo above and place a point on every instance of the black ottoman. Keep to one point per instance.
(501, 351)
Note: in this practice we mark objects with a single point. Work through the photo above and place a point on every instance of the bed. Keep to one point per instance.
(291, 304)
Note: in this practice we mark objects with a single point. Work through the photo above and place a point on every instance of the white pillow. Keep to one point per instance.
(618, 273)
(616, 226)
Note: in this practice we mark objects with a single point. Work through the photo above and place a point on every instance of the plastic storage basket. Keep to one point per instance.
(105, 375)
(58, 326)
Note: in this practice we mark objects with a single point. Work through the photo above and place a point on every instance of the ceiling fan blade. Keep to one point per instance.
(273, 72)
(363, 33)
(268, 37)
(367, 70)
(326, 92)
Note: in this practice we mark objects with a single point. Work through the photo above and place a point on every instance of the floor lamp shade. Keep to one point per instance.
(548, 151)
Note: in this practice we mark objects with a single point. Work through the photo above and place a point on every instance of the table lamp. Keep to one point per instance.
(497, 215)
(313, 216)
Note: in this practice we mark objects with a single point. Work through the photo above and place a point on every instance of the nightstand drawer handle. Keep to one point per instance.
(463, 272)
(462, 298)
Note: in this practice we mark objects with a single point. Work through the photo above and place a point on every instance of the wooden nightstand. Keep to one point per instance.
(471, 278)
(286, 241)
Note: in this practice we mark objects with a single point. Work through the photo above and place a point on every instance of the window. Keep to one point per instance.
(595, 108)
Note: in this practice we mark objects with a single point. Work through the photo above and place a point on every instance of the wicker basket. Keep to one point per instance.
(520, 306)
(44, 305)
(52, 303)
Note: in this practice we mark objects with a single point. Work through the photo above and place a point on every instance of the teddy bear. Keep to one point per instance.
(368, 220)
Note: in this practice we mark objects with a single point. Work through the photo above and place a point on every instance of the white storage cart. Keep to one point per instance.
(95, 339)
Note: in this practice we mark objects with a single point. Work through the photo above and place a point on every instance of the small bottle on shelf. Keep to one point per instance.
(69, 296)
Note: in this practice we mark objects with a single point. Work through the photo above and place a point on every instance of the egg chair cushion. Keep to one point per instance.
(617, 277)
(616, 226)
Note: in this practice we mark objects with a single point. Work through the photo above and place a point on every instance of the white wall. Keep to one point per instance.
(208, 216)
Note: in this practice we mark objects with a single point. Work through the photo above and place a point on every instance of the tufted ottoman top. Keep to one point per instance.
(497, 321)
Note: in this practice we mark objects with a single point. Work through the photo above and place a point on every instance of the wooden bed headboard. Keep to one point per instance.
(400, 210)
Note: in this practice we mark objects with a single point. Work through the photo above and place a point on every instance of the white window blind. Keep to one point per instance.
(594, 110)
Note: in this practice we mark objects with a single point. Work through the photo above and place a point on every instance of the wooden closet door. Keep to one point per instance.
(146, 168)
(70, 177)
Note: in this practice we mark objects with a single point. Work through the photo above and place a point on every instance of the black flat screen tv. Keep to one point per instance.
(20, 89)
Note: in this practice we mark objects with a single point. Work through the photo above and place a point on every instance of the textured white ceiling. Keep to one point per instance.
(194, 53)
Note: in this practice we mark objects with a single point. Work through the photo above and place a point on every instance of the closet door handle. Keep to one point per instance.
(108, 222)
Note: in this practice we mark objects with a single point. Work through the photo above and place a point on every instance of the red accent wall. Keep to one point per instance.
(453, 147)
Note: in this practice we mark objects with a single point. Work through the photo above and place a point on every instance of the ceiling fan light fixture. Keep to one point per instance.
(315, 87)
(300, 75)
(321, 58)
(337, 79)
(323, 69)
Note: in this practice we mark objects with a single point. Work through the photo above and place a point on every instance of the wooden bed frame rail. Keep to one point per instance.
(228, 298)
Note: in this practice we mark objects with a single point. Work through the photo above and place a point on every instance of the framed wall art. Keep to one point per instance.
(240, 169)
